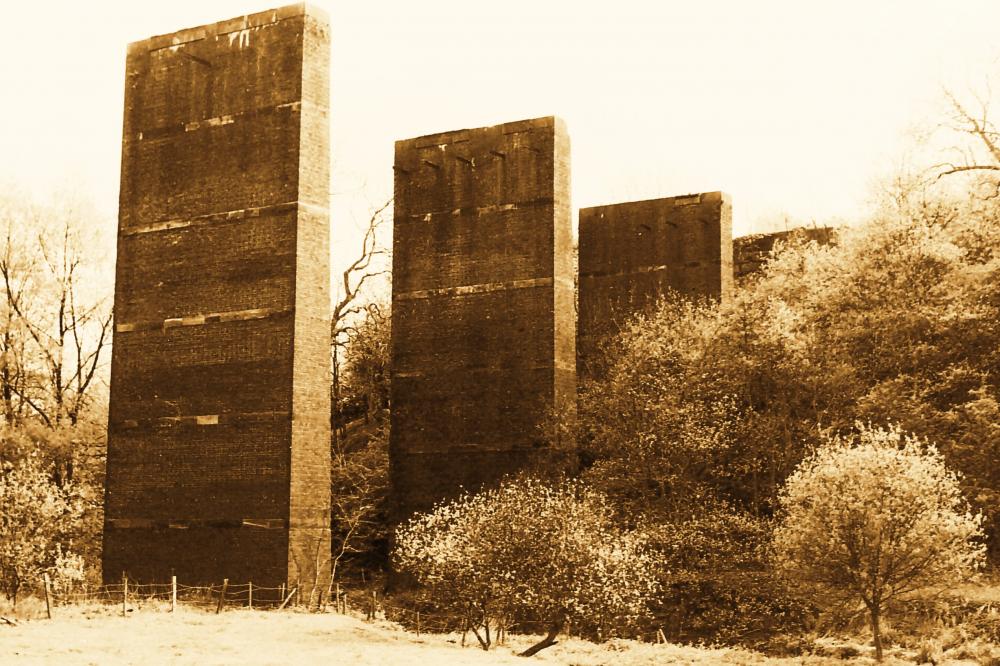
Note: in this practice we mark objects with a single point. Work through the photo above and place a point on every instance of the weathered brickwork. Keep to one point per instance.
(483, 330)
(631, 253)
(218, 448)
(750, 253)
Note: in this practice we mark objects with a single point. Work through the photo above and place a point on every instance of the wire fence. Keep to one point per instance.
(131, 596)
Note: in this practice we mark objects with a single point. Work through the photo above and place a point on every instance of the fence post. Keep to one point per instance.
(48, 602)
(418, 624)
(222, 595)
(288, 598)
(124, 592)
(251, 595)
(173, 593)
(281, 594)
(338, 598)
(371, 613)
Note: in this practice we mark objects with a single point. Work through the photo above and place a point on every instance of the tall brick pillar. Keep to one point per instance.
(631, 253)
(483, 322)
(219, 443)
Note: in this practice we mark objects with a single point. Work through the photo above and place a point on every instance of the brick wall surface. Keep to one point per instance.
(218, 451)
(483, 333)
(631, 253)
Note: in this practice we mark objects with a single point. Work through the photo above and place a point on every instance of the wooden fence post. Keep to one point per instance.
(48, 601)
(250, 604)
(124, 592)
(173, 593)
(418, 624)
(222, 595)
(281, 594)
(338, 598)
(288, 598)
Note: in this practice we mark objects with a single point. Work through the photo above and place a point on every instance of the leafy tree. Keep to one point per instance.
(874, 518)
(528, 550)
(38, 518)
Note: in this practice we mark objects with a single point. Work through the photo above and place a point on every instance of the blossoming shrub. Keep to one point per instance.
(874, 517)
(37, 520)
(527, 551)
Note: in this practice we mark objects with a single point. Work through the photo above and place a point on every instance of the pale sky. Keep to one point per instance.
(794, 108)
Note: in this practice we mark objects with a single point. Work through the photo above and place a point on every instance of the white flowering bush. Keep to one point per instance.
(37, 519)
(875, 517)
(527, 551)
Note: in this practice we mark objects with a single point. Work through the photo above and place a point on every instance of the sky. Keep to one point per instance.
(797, 109)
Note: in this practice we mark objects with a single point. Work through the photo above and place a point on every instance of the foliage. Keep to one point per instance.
(359, 491)
(365, 376)
(73, 458)
(717, 582)
(528, 550)
(37, 520)
(874, 518)
(360, 448)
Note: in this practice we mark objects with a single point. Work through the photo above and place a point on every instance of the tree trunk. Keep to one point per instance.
(877, 633)
(550, 638)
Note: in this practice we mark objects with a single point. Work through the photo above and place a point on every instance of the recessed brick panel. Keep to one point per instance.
(218, 451)
(483, 316)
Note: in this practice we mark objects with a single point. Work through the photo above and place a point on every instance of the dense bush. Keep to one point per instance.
(530, 551)
(717, 583)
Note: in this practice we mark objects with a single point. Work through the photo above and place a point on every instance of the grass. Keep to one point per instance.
(98, 634)
(95, 633)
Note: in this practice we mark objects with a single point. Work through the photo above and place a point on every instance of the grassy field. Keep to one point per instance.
(96, 634)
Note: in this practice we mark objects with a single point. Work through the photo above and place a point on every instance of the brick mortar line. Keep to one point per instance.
(223, 216)
(476, 210)
(202, 420)
(202, 319)
(187, 523)
(220, 121)
(558, 365)
(482, 288)
(641, 269)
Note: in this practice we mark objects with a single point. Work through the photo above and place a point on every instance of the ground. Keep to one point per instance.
(95, 634)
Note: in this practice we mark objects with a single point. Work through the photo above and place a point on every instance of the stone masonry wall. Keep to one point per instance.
(483, 332)
(631, 253)
(218, 448)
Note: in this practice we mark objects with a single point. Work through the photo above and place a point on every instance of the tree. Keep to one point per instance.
(982, 157)
(349, 305)
(360, 455)
(37, 521)
(526, 551)
(55, 322)
(873, 518)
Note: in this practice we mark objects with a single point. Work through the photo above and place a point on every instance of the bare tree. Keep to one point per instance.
(982, 156)
(350, 304)
(53, 331)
